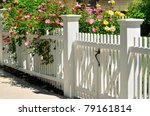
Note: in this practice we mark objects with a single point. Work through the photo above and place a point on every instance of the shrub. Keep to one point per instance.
(35, 17)
(141, 9)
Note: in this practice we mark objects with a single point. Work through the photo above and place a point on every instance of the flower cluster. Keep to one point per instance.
(98, 20)
(36, 17)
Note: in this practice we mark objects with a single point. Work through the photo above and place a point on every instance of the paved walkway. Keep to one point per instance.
(12, 87)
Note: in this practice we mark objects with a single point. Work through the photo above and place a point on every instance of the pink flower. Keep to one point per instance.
(48, 0)
(61, 7)
(61, 23)
(88, 8)
(27, 43)
(28, 32)
(7, 40)
(57, 22)
(93, 29)
(58, 2)
(4, 0)
(110, 19)
(53, 15)
(40, 6)
(76, 7)
(90, 12)
(44, 9)
(38, 17)
(40, 11)
(11, 33)
(19, 11)
(27, 17)
(3, 36)
(90, 21)
(99, 16)
(98, 9)
(47, 21)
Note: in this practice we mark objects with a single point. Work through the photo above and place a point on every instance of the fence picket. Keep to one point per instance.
(148, 76)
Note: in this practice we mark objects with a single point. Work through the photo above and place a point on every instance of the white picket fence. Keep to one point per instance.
(93, 65)
(141, 56)
(97, 77)
(51, 73)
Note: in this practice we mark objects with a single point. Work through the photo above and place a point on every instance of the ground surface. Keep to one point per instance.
(12, 87)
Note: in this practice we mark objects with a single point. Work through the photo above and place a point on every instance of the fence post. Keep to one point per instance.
(1, 41)
(129, 28)
(71, 28)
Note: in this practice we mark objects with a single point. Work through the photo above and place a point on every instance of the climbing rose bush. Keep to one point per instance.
(37, 17)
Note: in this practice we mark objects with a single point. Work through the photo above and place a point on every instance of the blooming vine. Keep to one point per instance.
(36, 17)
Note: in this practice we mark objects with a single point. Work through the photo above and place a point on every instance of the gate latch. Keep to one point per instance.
(97, 52)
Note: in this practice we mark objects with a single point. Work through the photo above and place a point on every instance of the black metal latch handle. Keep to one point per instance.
(97, 52)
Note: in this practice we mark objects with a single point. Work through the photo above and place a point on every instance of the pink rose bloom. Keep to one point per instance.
(90, 12)
(93, 29)
(78, 6)
(40, 6)
(61, 23)
(62, 6)
(110, 19)
(90, 21)
(27, 43)
(38, 17)
(54, 15)
(40, 11)
(11, 33)
(7, 40)
(98, 9)
(27, 17)
(44, 9)
(99, 16)
(47, 21)
(3, 36)
(57, 22)
(88, 8)
(4, 0)
(58, 2)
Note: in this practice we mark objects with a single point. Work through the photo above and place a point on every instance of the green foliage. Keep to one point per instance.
(35, 17)
(140, 10)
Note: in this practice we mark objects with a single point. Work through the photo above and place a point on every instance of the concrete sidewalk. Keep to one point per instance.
(12, 87)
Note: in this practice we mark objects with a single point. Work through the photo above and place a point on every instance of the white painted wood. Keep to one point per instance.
(69, 22)
(148, 76)
(127, 26)
(145, 76)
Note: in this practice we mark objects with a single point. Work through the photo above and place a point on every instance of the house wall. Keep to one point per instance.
(120, 4)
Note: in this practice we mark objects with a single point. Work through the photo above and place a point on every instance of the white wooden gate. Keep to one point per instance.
(97, 66)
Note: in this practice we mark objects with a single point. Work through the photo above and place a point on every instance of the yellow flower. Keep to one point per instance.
(122, 14)
(98, 5)
(105, 22)
(110, 12)
(107, 28)
(118, 13)
(112, 28)
(111, 2)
